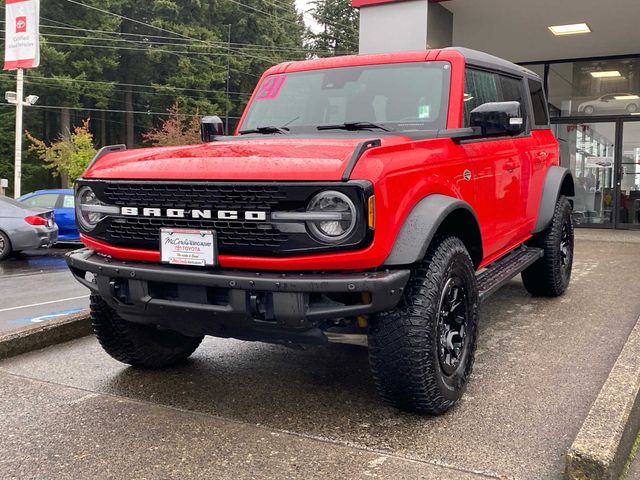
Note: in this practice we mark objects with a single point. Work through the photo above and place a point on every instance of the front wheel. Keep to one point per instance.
(421, 353)
(138, 345)
(549, 276)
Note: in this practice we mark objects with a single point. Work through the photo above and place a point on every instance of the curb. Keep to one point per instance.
(46, 334)
(602, 446)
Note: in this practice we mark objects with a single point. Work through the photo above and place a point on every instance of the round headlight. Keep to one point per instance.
(340, 213)
(87, 214)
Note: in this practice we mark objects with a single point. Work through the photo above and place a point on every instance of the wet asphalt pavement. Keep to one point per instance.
(240, 410)
(36, 286)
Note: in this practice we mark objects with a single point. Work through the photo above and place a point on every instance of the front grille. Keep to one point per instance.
(195, 195)
(232, 236)
(235, 237)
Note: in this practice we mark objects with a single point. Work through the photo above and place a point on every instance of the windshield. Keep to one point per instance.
(401, 96)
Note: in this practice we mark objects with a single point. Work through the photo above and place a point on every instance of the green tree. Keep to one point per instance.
(69, 156)
(339, 23)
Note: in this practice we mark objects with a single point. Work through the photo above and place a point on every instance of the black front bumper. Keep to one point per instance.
(277, 307)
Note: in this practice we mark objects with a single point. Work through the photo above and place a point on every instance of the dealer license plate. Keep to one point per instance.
(188, 247)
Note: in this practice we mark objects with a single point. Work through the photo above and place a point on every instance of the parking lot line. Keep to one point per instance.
(43, 303)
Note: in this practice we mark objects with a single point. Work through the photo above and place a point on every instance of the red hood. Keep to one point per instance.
(318, 159)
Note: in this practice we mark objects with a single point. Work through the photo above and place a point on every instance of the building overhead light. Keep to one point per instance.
(607, 74)
(570, 29)
(635, 113)
(626, 97)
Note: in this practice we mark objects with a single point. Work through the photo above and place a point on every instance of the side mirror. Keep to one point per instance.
(497, 119)
(211, 127)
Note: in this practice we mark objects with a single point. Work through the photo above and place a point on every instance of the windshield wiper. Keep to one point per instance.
(355, 126)
(265, 130)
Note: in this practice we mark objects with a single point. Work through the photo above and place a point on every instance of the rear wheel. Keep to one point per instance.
(5, 246)
(550, 276)
(138, 345)
(421, 353)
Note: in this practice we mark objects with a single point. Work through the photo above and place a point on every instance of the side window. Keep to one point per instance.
(68, 202)
(47, 200)
(512, 91)
(539, 102)
(479, 87)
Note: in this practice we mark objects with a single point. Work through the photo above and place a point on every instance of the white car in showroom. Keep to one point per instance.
(612, 103)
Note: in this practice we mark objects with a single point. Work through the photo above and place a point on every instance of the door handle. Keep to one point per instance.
(510, 166)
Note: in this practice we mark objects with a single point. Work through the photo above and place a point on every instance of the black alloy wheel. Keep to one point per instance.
(566, 248)
(452, 325)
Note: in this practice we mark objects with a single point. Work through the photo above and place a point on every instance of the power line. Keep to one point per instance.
(107, 110)
(108, 47)
(211, 43)
(29, 77)
(146, 41)
(158, 28)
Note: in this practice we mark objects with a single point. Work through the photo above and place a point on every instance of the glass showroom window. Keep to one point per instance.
(588, 150)
(594, 87)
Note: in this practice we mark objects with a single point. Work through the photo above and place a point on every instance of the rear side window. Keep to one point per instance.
(539, 103)
(68, 202)
(47, 200)
(479, 87)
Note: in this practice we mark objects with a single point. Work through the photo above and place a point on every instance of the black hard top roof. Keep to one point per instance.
(484, 60)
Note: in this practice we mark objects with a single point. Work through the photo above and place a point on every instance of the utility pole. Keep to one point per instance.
(17, 176)
(17, 98)
(226, 116)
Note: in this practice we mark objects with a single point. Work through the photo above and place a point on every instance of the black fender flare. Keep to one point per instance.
(432, 214)
(558, 181)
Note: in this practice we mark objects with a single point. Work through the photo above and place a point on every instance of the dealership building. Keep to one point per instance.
(586, 51)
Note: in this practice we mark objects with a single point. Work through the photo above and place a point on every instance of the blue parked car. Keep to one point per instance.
(62, 203)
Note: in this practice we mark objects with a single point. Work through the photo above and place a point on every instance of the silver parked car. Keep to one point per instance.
(25, 228)
(619, 103)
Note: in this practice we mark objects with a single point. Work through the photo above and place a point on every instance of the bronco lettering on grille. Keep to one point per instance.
(253, 216)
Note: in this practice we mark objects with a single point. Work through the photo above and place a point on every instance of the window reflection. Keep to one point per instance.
(588, 150)
(591, 88)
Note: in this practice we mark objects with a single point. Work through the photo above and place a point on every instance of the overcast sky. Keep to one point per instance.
(303, 6)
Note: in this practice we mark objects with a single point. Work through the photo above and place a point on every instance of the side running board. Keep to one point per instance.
(496, 274)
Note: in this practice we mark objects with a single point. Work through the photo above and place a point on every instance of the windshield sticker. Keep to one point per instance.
(423, 111)
(270, 89)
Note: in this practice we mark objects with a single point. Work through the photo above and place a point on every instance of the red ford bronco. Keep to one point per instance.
(371, 200)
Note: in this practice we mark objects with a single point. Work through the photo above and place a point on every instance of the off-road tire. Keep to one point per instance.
(404, 343)
(5, 246)
(550, 276)
(138, 345)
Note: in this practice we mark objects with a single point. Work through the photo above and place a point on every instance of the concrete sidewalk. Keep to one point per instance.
(248, 410)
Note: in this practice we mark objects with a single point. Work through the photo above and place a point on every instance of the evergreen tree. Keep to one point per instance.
(339, 23)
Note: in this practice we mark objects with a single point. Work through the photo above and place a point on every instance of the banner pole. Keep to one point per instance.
(18, 159)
